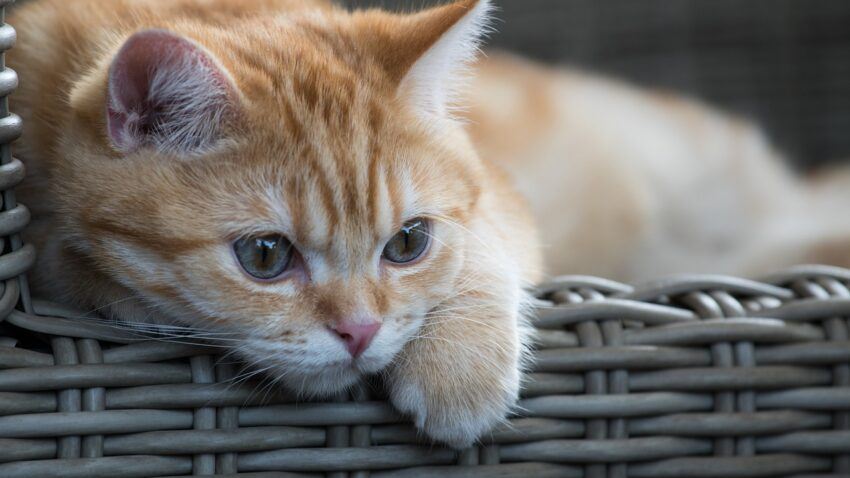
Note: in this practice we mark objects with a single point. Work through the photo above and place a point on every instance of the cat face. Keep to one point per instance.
(290, 185)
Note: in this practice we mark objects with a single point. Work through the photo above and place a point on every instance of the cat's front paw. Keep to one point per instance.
(458, 425)
(457, 400)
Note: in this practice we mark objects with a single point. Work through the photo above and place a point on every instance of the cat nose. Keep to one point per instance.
(356, 335)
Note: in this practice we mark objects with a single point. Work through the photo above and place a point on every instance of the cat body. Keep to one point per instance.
(264, 169)
(633, 184)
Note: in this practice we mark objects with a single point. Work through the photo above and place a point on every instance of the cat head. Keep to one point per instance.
(297, 180)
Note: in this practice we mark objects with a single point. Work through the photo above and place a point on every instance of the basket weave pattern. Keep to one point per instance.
(697, 376)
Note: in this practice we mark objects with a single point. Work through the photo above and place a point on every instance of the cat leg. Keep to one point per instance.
(461, 375)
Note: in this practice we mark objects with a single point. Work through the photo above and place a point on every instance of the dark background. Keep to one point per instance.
(782, 63)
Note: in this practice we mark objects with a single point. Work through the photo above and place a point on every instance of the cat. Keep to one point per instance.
(326, 186)
(288, 173)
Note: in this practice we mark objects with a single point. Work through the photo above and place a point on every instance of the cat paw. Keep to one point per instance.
(456, 413)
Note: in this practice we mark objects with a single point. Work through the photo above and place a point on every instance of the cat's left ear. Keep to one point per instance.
(427, 53)
(166, 92)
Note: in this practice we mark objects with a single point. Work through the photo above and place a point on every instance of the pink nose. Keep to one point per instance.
(355, 335)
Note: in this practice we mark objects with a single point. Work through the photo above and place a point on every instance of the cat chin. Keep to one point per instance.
(327, 381)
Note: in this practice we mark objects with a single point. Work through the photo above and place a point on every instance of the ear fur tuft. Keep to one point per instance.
(166, 92)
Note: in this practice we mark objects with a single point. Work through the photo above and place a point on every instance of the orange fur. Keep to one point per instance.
(320, 143)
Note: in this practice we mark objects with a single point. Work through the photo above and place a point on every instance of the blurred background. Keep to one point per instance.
(782, 63)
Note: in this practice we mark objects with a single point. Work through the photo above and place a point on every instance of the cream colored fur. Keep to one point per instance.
(633, 184)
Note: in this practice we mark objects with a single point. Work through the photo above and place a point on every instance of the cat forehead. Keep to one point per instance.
(322, 103)
(316, 197)
(336, 196)
(309, 54)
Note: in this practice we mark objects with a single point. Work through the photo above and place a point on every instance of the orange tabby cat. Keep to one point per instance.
(290, 174)
(285, 172)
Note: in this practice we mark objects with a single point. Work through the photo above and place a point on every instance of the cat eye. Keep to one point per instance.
(264, 257)
(410, 243)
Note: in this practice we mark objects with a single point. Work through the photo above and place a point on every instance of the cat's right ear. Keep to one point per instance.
(427, 53)
(166, 92)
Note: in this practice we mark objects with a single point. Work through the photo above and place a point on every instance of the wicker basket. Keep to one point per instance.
(682, 378)
(699, 376)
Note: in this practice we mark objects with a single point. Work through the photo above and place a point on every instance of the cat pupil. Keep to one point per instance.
(265, 249)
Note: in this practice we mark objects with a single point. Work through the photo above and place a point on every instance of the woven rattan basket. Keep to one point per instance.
(698, 376)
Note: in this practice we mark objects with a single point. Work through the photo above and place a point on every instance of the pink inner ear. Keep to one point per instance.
(154, 75)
